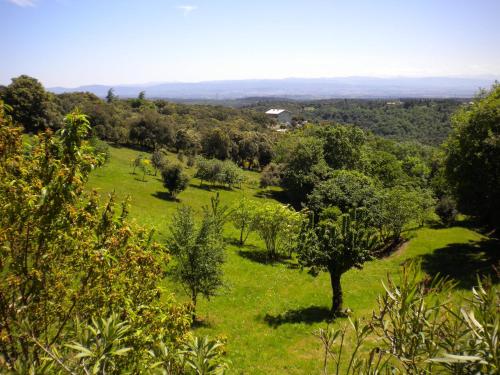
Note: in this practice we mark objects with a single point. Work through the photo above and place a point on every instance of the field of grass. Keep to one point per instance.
(268, 312)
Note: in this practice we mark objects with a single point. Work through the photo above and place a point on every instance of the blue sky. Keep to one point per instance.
(75, 42)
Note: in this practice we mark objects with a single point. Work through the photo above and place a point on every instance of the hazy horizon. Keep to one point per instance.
(69, 43)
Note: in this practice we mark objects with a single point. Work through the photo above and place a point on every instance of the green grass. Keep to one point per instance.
(268, 312)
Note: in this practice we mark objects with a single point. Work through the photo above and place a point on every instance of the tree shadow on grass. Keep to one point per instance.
(201, 323)
(308, 315)
(210, 187)
(463, 262)
(165, 196)
(278, 195)
(256, 255)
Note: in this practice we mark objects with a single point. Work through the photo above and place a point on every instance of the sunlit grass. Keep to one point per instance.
(252, 311)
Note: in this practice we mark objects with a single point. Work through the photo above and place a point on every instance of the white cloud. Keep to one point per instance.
(23, 3)
(187, 8)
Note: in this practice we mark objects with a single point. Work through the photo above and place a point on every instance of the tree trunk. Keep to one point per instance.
(194, 297)
(337, 299)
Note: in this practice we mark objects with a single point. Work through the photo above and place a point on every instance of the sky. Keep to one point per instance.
(77, 42)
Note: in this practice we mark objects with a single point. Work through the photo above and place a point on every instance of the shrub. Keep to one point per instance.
(174, 179)
(67, 253)
(219, 172)
(417, 329)
(446, 209)
(279, 226)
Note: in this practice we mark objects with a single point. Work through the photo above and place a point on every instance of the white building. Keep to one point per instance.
(282, 115)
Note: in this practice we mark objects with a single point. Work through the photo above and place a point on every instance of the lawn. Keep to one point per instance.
(268, 312)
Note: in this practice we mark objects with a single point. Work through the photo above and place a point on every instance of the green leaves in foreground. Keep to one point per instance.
(418, 330)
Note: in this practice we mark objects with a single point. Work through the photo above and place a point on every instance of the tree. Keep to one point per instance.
(342, 145)
(199, 254)
(396, 208)
(216, 144)
(31, 104)
(144, 167)
(174, 179)
(158, 160)
(473, 158)
(244, 218)
(336, 247)
(303, 165)
(271, 175)
(137, 162)
(111, 96)
(187, 140)
(278, 225)
(345, 190)
(68, 253)
(142, 95)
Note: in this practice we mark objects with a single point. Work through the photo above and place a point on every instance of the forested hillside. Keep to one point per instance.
(423, 120)
(143, 236)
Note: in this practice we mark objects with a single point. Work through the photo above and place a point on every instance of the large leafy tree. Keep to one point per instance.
(303, 165)
(31, 104)
(473, 157)
(342, 145)
(336, 246)
(345, 190)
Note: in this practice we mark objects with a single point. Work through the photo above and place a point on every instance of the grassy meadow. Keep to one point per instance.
(268, 312)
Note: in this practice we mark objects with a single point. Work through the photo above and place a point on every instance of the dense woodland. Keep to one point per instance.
(81, 285)
(425, 120)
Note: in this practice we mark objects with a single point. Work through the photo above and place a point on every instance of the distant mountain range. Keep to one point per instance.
(301, 88)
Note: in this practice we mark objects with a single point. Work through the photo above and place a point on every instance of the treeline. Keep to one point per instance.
(213, 131)
(424, 120)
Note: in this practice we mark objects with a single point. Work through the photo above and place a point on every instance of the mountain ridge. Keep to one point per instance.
(302, 88)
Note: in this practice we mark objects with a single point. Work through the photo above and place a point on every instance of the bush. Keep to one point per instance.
(219, 172)
(67, 254)
(446, 209)
(174, 179)
(271, 175)
(417, 329)
(279, 226)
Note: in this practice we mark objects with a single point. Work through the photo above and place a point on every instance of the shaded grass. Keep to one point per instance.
(269, 310)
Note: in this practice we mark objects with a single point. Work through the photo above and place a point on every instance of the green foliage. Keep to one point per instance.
(101, 148)
(219, 172)
(336, 246)
(342, 145)
(244, 217)
(216, 144)
(418, 330)
(67, 253)
(424, 120)
(174, 179)
(198, 252)
(278, 225)
(158, 160)
(399, 206)
(344, 189)
(473, 157)
(271, 175)
(446, 209)
(111, 96)
(303, 165)
(31, 104)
